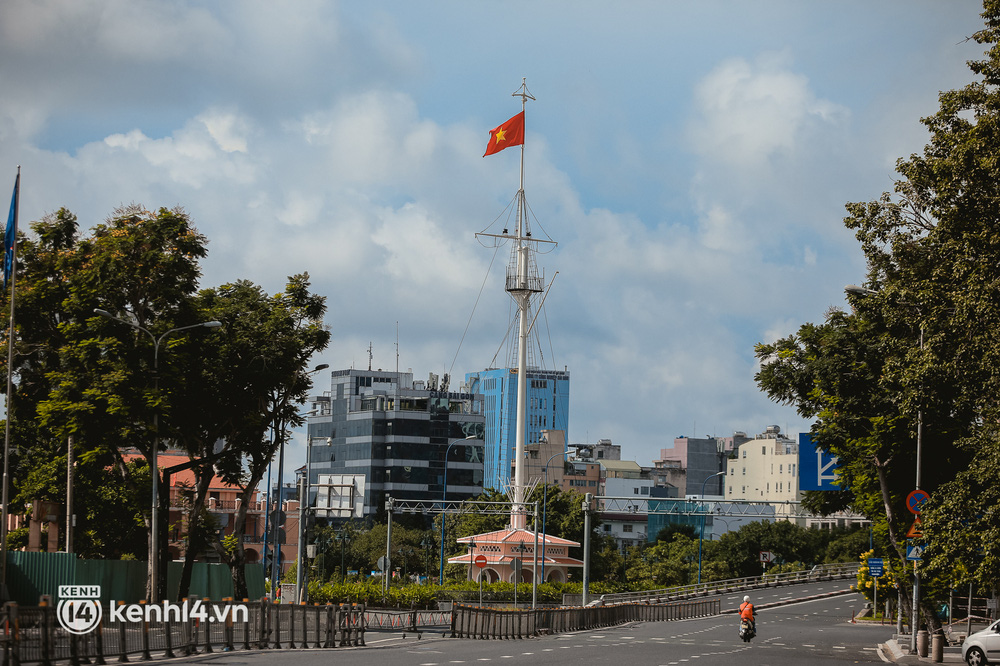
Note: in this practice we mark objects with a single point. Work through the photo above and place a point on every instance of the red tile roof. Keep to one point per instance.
(508, 536)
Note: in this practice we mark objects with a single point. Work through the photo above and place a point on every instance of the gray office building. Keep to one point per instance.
(393, 433)
(699, 459)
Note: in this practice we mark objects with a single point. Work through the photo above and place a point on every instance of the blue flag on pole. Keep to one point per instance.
(10, 236)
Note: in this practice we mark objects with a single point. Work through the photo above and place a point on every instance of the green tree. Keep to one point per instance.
(93, 378)
(69, 379)
(251, 379)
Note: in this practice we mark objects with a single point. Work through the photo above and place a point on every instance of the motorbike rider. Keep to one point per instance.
(746, 613)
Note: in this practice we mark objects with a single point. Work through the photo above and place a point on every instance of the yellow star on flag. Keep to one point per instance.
(510, 133)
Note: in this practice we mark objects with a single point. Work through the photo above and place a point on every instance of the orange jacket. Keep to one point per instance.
(746, 611)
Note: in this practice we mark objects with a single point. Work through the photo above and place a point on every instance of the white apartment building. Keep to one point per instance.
(766, 470)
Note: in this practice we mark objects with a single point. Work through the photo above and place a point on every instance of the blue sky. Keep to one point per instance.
(692, 159)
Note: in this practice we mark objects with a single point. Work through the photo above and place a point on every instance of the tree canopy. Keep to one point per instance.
(918, 355)
(148, 372)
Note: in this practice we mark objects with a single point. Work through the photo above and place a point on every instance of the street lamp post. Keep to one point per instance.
(342, 537)
(701, 533)
(585, 506)
(276, 557)
(545, 503)
(520, 548)
(154, 519)
(428, 545)
(305, 505)
(444, 499)
(915, 612)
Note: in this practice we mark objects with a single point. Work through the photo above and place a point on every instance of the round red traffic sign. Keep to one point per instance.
(915, 500)
(480, 561)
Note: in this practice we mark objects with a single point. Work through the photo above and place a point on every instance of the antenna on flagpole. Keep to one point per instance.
(523, 93)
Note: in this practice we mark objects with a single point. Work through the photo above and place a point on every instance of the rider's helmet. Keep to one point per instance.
(746, 598)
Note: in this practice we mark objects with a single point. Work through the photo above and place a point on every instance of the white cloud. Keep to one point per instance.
(749, 113)
(345, 140)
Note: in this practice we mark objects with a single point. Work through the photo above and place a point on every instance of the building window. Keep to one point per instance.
(626, 528)
(744, 453)
(781, 469)
(763, 450)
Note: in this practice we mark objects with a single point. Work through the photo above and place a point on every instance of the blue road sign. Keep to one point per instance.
(915, 500)
(914, 552)
(817, 468)
(875, 567)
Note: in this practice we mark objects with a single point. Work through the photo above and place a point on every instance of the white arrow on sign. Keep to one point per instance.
(831, 464)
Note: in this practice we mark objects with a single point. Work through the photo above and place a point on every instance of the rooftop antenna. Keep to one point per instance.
(369, 356)
(397, 347)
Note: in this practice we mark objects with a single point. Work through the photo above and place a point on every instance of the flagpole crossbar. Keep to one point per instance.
(522, 92)
(513, 237)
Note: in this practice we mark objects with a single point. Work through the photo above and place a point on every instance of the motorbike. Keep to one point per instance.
(746, 631)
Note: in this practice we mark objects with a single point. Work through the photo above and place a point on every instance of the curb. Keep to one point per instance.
(899, 655)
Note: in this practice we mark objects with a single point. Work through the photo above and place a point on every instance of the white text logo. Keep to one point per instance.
(79, 610)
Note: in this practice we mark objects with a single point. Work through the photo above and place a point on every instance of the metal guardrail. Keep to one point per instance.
(34, 635)
(817, 573)
(407, 621)
(484, 623)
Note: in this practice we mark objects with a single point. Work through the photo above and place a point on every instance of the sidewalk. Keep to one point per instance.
(900, 653)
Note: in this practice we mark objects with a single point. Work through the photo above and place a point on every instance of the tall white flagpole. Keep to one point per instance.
(523, 295)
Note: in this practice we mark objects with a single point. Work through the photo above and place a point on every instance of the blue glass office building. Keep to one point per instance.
(547, 409)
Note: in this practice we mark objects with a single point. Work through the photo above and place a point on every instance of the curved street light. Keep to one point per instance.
(701, 532)
(154, 520)
(444, 498)
(545, 503)
(276, 556)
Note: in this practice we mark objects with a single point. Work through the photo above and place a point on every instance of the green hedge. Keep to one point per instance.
(369, 592)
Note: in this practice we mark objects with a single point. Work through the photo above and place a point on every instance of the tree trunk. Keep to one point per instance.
(237, 561)
(131, 485)
(205, 475)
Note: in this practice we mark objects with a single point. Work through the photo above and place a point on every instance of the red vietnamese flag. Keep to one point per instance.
(511, 133)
